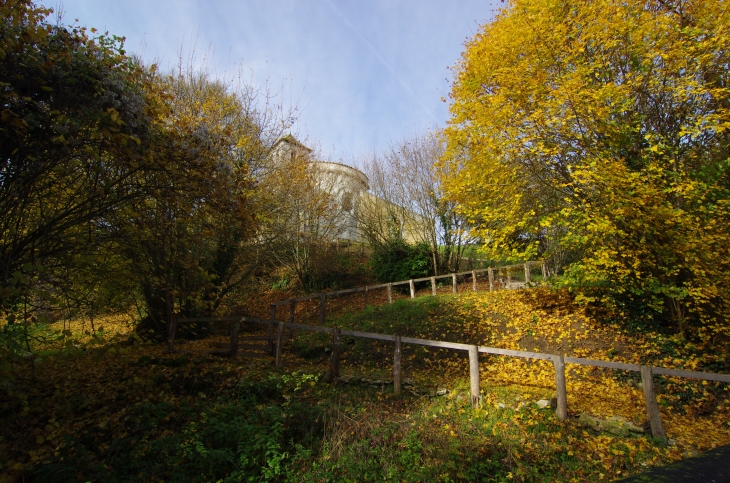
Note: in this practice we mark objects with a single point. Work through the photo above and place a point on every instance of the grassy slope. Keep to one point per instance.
(119, 413)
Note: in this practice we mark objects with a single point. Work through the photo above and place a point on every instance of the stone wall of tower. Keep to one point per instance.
(345, 185)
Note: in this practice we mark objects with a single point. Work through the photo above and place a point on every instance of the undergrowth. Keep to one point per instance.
(114, 408)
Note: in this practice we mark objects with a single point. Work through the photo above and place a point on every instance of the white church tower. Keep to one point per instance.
(344, 183)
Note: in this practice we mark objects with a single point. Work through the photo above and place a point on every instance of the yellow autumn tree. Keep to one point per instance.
(599, 129)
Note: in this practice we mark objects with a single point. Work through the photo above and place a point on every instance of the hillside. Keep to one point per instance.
(124, 411)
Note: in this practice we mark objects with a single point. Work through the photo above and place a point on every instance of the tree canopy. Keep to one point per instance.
(595, 134)
(118, 180)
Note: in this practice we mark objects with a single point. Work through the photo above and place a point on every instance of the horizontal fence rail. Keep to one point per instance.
(490, 271)
(559, 361)
(494, 275)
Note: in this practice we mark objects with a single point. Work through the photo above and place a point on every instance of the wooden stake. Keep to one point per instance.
(433, 286)
(474, 280)
(453, 283)
(562, 397)
(474, 376)
(171, 334)
(335, 358)
(396, 367)
(322, 307)
(270, 335)
(491, 279)
(542, 269)
(652, 409)
(413, 288)
(234, 338)
(390, 293)
(279, 338)
(527, 273)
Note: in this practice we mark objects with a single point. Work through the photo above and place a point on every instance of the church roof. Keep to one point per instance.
(289, 139)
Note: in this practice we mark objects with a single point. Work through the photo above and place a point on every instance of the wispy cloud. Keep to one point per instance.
(381, 59)
(361, 74)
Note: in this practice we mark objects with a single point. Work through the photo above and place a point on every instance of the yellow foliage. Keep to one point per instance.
(599, 129)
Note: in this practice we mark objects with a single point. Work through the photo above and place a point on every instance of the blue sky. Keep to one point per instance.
(361, 73)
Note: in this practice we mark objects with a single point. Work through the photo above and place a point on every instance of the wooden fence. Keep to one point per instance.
(508, 282)
(559, 361)
(274, 341)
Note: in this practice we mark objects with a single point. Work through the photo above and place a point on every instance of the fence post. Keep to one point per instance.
(542, 269)
(171, 333)
(652, 409)
(234, 338)
(453, 283)
(366, 297)
(433, 286)
(396, 367)
(491, 279)
(527, 273)
(279, 338)
(474, 376)
(562, 396)
(509, 279)
(413, 288)
(335, 358)
(322, 307)
(270, 335)
(474, 280)
(390, 293)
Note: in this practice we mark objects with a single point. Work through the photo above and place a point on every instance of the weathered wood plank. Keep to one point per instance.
(270, 334)
(652, 409)
(335, 357)
(562, 395)
(397, 366)
(435, 343)
(235, 326)
(366, 335)
(375, 287)
(474, 376)
(412, 288)
(508, 352)
(707, 376)
(279, 337)
(322, 307)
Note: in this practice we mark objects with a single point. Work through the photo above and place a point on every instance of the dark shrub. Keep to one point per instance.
(397, 260)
